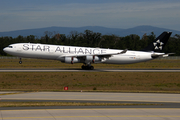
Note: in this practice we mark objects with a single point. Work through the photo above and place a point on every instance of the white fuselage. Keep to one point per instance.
(59, 52)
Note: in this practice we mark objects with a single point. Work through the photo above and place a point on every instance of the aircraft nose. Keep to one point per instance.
(5, 49)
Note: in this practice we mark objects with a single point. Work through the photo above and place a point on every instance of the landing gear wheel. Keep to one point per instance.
(91, 67)
(84, 67)
(20, 62)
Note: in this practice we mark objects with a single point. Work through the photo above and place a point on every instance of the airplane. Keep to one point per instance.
(87, 55)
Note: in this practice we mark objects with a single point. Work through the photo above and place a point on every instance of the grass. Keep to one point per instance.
(11, 93)
(121, 81)
(36, 104)
(38, 63)
(90, 81)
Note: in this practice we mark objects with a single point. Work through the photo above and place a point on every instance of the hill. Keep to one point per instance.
(139, 30)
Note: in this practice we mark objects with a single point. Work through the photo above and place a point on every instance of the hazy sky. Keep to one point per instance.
(27, 14)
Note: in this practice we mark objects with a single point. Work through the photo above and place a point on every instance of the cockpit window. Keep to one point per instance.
(10, 46)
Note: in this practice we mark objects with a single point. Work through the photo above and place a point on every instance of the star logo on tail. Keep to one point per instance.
(158, 45)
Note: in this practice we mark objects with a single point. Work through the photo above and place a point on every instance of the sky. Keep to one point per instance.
(30, 14)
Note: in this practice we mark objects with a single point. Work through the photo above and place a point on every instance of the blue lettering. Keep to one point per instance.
(103, 51)
(46, 48)
(64, 50)
(33, 47)
(96, 51)
(80, 51)
(75, 51)
(58, 49)
(88, 51)
(25, 47)
(70, 50)
(38, 48)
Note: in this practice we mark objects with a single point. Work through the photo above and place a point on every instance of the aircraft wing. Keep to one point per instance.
(161, 55)
(100, 55)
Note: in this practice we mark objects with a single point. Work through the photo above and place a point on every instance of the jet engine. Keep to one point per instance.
(89, 58)
(96, 59)
(71, 60)
(93, 59)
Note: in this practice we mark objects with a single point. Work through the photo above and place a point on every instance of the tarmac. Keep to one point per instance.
(168, 108)
(95, 96)
(89, 114)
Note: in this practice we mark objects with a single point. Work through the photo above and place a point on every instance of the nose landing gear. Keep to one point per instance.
(20, 62)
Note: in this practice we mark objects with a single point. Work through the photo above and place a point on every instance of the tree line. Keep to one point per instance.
(93, 39)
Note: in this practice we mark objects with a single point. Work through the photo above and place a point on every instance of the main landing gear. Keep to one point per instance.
(20, 62)
(87, 67)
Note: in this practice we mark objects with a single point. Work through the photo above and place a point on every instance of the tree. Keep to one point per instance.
(94, 39)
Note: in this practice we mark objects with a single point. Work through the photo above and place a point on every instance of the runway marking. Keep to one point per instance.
(118, 116)
(78, 109)
(100, 94)
(13, 93)
(146, 96)
(96, 70)
(90, 100)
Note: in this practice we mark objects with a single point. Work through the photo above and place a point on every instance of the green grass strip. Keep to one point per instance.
(38, 104)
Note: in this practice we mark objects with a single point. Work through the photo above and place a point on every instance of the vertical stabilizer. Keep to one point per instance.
(158, 44)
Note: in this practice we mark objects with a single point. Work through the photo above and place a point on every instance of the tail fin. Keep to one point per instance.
(158, 44)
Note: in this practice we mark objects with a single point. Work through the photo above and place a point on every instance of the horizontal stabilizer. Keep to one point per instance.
(161, 55)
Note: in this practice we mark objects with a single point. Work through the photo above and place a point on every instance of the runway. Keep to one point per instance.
(97, 96)
(156, 100)
(95, 70)
(171, 99)
(168, 108)
(88, 114)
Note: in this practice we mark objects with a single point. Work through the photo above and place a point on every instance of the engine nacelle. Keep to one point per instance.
(93, 59)
(96, 59)
(71, 60)
(89, 58)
